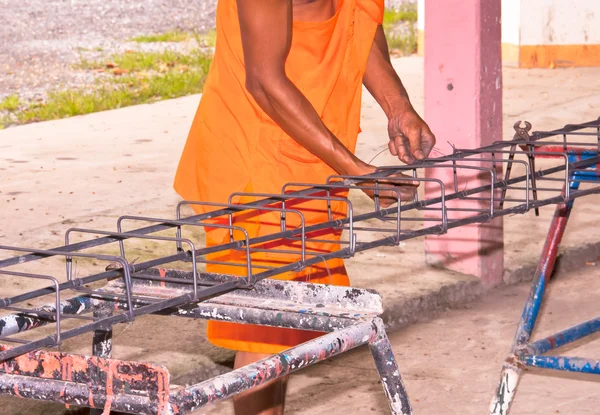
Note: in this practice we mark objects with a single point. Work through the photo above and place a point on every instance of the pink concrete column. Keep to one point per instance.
(463, 106)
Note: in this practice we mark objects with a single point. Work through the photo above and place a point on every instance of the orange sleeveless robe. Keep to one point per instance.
(233, 146)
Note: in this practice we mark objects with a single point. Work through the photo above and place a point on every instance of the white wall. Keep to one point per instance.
(560, 22)
(511, 16)
(544, 22)
(511, 20)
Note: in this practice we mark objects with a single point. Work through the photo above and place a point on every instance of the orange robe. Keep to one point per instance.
(233, 146)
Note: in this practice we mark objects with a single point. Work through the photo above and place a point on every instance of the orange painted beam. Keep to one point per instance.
(545, 56)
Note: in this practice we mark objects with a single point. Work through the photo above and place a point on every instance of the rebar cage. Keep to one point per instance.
(101, 267)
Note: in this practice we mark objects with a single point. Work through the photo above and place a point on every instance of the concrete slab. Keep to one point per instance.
(88, 170)
(451, 364)
(99, 166)
(91, 169)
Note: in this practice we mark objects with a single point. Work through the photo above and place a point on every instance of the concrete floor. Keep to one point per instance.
(451, 364)
(87, 171)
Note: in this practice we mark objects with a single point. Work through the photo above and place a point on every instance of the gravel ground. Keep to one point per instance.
(40, 40)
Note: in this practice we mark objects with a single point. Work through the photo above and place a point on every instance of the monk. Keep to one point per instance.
(282, 104)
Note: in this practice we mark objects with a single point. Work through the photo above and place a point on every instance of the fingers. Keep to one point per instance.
(405, 181)
(402, 147)
(392, 147)
(409, 148)
(414, 138)
(388, 198)
(411, 141)
(417, 146)
(427, 141)
(391, 191)
(408, 193)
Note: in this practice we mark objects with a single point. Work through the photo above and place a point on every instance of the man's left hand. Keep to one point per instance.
(410, 137)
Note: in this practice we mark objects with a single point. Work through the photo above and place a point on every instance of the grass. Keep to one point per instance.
(407, 12)
(10, 103)
(134, 78)
(206, 39)
(174, 36)
(145, 77)
(95, 49)
(135, 61)
(203, 40)
(406, 44)
(131, 91)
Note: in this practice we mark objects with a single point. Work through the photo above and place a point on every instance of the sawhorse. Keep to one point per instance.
(524, 352)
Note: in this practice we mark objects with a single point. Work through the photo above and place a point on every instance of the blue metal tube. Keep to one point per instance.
(532, 354)
(566, 363)
(545, 267)
(564, 337)
(542, 274)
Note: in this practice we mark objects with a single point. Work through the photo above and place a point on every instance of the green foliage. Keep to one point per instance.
(407, 12)
(174, 36)
(10, 103)
(208, 39)
(203, 39)
(142, 78)
(405, 43)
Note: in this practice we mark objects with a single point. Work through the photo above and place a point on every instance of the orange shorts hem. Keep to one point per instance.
(249, 347)
(253, 338)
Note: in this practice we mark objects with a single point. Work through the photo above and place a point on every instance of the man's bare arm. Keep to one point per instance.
(382, 81)
(410, 137)
(266, 29)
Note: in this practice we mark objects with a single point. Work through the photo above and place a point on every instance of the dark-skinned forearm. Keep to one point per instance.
(382, 81)
(266, 34)
(290, 109)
